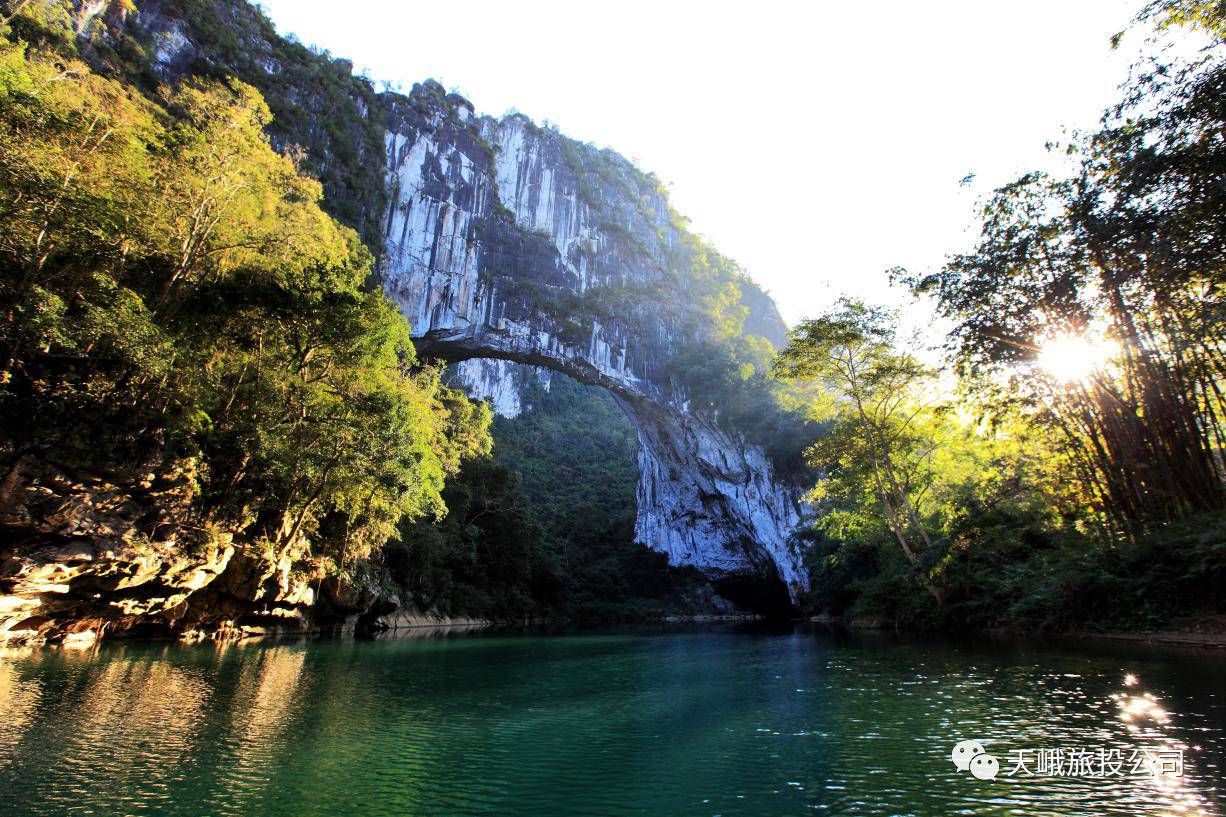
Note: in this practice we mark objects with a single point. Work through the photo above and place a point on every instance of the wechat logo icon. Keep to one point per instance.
(970, 755)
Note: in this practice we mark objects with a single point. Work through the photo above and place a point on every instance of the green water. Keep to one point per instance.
(719, 721)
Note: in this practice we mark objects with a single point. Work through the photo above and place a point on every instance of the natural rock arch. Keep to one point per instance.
(504, 240)
(499, 240)
(508, 242)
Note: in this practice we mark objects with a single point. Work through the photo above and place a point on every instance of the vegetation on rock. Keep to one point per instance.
(545, 526)
(172, 291)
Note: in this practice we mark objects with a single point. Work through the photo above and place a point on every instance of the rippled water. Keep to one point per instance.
(690, 722)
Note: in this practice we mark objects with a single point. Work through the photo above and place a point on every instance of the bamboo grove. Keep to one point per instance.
(1129, 250)
(1063, 464)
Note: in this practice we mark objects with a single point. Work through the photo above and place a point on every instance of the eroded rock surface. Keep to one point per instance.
(507, 241)
(502, 243)
(88, 555)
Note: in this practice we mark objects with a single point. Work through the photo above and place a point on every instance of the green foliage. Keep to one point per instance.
(926, 518)
(1088, 503)
(38, 20)
(320, 111)
(725, 371)
(1207, 15)
(929, 519)
(486, 558)
(575, 450)
(172, 288)
(316, 104)
(1129, 251)
(1025, 575)
(601, 174)
(900, 472)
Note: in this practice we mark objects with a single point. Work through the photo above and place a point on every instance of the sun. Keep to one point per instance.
(1071, 358)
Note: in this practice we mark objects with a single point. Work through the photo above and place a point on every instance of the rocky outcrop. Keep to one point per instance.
(501, 383)
(82, 554)
(708, 501)
(510, 242)
(502, 242)
(86, 555)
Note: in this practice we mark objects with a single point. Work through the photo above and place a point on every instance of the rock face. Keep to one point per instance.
(509, 242)
(499, 382)
(502, 243)
(97, 555)
(706, 500)
(85, 555)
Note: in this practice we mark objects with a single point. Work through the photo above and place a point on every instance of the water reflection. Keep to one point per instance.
(17, 702)
(697, 721)
(1163, 757)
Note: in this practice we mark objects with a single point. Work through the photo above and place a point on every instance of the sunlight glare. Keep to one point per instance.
(1071, 358)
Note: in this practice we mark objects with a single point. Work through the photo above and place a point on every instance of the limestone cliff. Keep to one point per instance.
(505, 240)
(502, 243)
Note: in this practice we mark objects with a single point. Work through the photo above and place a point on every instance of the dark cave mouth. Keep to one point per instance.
(765, 596)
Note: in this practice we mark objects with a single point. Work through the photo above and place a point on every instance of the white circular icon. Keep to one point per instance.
(985, 767)
(965, 752)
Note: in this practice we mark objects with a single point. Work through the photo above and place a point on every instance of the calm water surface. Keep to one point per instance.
(719, 721)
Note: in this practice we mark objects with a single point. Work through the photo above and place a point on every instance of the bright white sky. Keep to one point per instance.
(818, 143)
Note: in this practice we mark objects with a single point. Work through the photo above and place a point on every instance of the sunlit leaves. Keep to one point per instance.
(1122, 262)
(172, 286)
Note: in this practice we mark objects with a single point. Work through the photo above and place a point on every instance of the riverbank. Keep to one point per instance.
(1205, 632)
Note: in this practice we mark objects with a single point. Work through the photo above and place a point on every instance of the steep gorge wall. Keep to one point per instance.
(503, 241)
(508, 241)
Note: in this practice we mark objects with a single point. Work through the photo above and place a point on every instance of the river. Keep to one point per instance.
(719, 720)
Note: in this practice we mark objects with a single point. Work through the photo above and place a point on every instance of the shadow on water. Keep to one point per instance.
(739, 718)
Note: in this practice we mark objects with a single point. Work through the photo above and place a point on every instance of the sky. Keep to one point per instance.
(817, 143)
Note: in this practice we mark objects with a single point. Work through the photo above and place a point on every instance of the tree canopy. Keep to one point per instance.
(173, 291)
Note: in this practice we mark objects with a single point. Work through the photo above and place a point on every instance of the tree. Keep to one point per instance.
(880, 442)
(1128, 253)
(1208, 15)
(172, 290)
